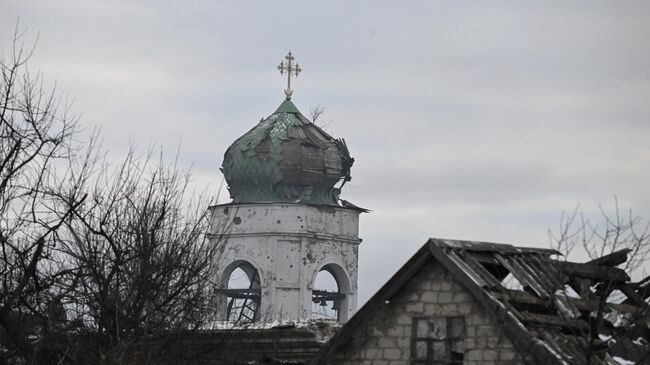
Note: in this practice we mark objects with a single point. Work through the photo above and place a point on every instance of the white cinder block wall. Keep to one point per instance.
(288, 244)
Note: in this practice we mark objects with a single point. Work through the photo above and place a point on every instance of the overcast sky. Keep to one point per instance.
(467, 120)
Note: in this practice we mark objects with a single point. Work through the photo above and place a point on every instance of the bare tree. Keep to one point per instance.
(315, 113)
(141, 258)
(614, 231)
(36, 134)
(93, 258)
(618, 307)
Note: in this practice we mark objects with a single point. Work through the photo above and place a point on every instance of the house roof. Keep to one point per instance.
(551, 309)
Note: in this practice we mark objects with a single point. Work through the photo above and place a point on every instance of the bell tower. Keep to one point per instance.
(286, 227)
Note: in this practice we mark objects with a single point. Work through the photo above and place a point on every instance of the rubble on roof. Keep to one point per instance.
(564, 307)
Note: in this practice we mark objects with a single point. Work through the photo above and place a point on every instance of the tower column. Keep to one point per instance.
(286, 245)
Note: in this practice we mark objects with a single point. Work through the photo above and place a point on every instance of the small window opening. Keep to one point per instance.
(243, 294)
(438, 340)
(326, 296)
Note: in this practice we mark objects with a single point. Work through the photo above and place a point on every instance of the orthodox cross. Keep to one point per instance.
(290, 68)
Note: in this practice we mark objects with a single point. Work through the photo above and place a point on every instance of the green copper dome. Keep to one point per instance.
(286, 158)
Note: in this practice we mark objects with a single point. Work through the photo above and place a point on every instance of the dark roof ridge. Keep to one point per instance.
(489, 246)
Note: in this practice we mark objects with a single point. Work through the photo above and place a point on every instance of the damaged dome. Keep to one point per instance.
(286, 158)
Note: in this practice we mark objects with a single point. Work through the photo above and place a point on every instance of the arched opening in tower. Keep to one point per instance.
(327, 298)
(243, 294)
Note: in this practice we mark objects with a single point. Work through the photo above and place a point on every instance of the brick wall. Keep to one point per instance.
(386, 338)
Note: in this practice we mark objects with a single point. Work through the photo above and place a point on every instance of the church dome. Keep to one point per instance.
(286, 158)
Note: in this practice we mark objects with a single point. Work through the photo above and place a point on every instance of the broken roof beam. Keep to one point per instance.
(476, 246)
(515, 330)
(642, 287)
(555, 321)
(485, 274)
(462, 265)
(591, 271)
(524, 277)
(584, 287)
(632, 295)
(613, 259)
(546, 267)
(542, 272)
(518, 296)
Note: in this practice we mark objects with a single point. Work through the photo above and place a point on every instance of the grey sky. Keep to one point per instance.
(468, 120)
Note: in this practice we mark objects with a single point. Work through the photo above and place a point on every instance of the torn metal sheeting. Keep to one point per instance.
(555, 304)
(286, 158)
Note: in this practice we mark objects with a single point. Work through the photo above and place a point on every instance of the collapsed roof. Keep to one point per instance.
(555, 311)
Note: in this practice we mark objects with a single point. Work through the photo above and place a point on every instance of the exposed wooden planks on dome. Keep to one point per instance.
(286, 158)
